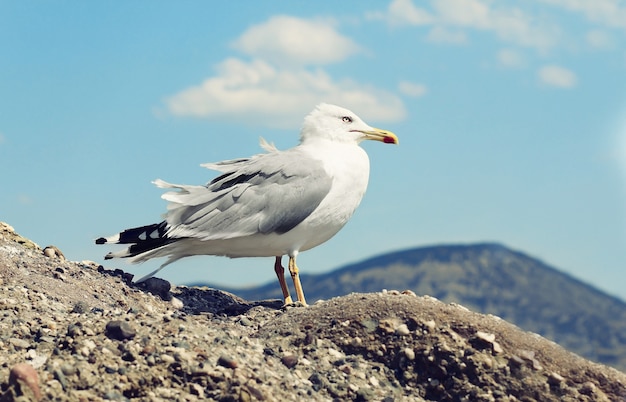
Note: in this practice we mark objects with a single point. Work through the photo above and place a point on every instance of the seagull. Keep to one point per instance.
(269, 205)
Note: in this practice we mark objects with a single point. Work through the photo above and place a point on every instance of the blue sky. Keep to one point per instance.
(511, 118)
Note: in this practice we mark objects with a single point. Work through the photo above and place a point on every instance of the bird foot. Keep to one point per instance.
(292, 304)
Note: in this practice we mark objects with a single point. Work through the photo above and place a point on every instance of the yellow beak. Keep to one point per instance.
(381, 135)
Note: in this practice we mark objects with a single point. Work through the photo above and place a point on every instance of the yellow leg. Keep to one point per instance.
(293, 270)
(280, 273)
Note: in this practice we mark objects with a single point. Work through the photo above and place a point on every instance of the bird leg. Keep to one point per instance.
(280, 273)
(293, 270)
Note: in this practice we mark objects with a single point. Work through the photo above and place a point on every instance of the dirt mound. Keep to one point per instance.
(77, 331)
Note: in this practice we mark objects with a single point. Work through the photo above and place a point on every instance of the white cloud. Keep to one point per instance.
(412, 89)
(403, 12)
(507, 23)
(440, 34)
(609, 13)
(599, 39)
(284, 79)
(557, 76)
(276, 97)
(469, 13)
(510, 58)
(291, 40)
(449, 19)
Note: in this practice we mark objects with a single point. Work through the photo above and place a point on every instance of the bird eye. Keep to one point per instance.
(347, 119)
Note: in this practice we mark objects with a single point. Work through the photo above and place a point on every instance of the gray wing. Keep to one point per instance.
(268, 193)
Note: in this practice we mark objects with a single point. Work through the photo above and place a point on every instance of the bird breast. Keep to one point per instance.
(348, 165)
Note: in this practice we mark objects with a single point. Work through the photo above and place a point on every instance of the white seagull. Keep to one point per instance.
(269, 205)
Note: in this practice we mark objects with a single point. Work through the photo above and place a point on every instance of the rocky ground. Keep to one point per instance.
(75, 331)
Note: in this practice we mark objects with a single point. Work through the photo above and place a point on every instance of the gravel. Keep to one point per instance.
(77, 331)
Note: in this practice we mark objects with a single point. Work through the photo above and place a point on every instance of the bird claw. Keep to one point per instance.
(291, 304)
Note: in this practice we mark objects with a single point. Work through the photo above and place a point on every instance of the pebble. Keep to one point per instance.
(409, 353)
(364, 394)
(53, 252)
(167, 359)
(335, 353)
(81, 307)
(289, 360)
(120, 330)
(555, 379)
(24, 374)
(227, 362)
(402, 330)
(19, 343)
(158, 287)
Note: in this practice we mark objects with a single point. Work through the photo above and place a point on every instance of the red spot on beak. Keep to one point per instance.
(389, 140)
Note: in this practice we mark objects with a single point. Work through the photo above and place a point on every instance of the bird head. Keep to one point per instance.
(334, 123)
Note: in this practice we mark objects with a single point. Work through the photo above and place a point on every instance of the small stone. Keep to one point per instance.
(53, 252)
(364, 394)
(489, 338)
(555, 379)
(81, 307)
(409, 353)
(317, 380)
(119, 330)
(158, 287)
(19, 343)
(60, 377)
(177, 303)
(289, 360)
(227, 362)
(386, 326)
(167, 359)
(25, 377)
(496, 348)
(336, 354)
(68, 369)
(245, 321)
(374, 381)
(196, 389)
(430, 324)
(588, 388)
(402, 330)
(345, 368)
(369, 324)
(484, 340)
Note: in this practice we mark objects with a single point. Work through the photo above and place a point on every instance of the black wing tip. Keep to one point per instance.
(101, 240)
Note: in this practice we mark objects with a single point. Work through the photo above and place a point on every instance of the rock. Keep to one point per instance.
(158, 287)
(227, 362)
(364, 394)
(53, 252)
(23, 378)
(402, 330)
(80, 307)
(289, 361)
(19, 343)
(120, 330)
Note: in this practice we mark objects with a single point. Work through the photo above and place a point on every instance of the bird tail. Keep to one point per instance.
(141, 239)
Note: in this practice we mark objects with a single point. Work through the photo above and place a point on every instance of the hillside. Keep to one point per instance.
(77, 331)
(491, 279)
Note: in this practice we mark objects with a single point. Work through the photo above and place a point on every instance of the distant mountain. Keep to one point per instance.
(487, 278)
